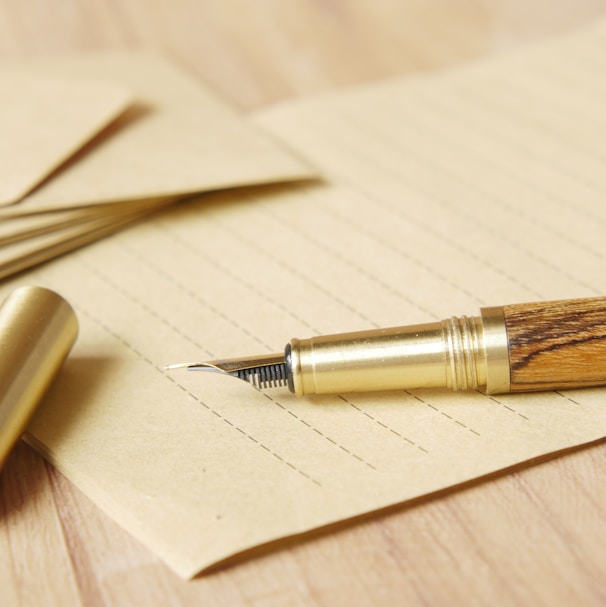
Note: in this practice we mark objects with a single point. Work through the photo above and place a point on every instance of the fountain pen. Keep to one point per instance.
(512, 348)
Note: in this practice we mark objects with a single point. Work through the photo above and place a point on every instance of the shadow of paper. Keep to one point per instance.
(240, 195)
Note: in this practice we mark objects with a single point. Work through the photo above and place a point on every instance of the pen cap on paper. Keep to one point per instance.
(37, 331)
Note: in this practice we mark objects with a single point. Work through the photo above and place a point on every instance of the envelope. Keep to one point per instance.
(44, 121)
(175, 138)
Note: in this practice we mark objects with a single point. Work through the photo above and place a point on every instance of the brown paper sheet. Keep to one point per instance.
(476, 187)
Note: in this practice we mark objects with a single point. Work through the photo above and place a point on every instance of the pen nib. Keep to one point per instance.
(266, 371)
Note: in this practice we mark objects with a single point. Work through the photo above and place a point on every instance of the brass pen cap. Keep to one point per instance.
(37, 331)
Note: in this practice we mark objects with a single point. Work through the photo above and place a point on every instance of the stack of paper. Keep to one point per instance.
(91, 143)
(481, 186)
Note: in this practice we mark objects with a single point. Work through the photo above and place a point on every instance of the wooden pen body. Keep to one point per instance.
(557, 344)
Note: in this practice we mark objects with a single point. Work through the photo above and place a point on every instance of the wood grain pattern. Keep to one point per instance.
(534, 536)
(558, 344)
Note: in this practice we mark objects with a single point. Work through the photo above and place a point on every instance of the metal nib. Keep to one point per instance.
(265, 371)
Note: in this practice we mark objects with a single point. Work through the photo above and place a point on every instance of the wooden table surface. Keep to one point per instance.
(533, 536)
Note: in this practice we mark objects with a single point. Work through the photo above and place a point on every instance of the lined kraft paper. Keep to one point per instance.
(482, 186)
(44, 121)
(177, 138)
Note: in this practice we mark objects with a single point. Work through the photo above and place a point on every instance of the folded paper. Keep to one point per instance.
(44, 121)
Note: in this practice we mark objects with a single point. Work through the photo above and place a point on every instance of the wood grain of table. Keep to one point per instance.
(535, 535)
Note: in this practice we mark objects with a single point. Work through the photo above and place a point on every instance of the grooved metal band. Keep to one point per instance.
(497, 350)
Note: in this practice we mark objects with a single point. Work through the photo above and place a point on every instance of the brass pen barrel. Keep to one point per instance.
(460, 353)
(512, 348)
